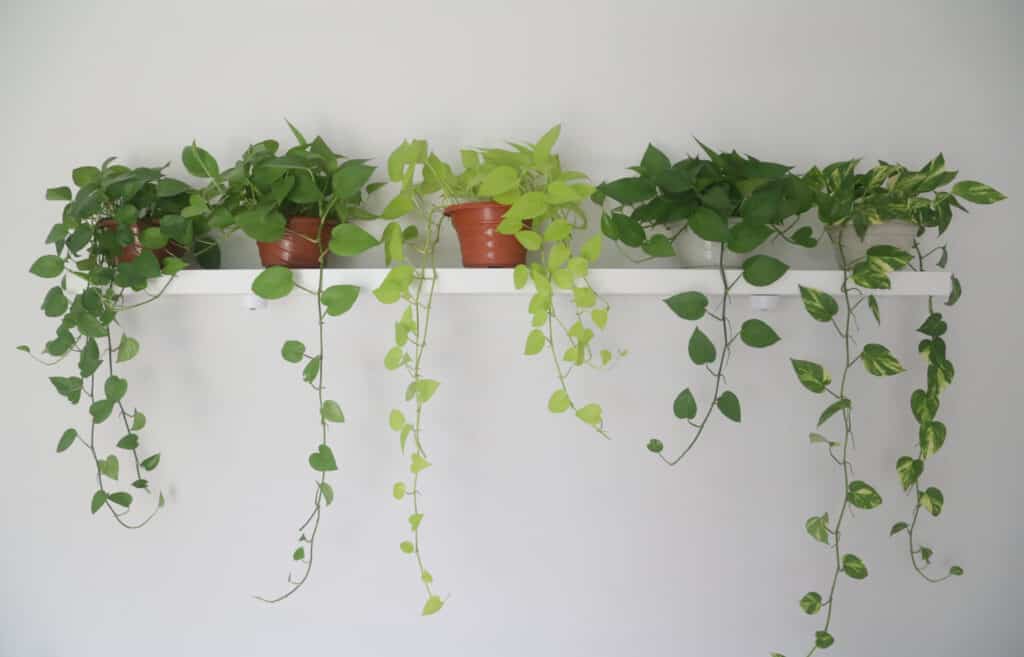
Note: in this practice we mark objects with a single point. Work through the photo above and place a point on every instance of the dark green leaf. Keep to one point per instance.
(130, 441)
(709, 225)
(655, 445)
(628, 191)
(955, 291)
(832, 409)
(756, 333)
(100, 410)
(338, 299)
(99, 498)
(150, 463)
(932, 500)
(199, 162)
(123, 499)
(322, 460)
(817, 528)
(685, 406)
(47, 266)
(115, 388)
(701, 349)
(293, 351)
(273, 283)
(862, 495)
(688, 305)
(854, 567)
(897, 528)
(812, 375)
(976, 192)
(879, 361)
(811, 603)
(931, 438)
(66, 440)
(909, 470)
(823, 639)
(819, 305)
(761, 270)
(729, 405)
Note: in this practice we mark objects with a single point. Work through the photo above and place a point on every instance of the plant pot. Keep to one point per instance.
(896, 233)
(134, 250)
(692, 252)
(300, 247)
(482, 245)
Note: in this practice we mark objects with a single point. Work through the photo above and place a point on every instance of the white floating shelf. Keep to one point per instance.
(653, 282)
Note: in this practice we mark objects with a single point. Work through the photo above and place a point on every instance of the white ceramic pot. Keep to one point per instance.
(894, 233)
(693, 252)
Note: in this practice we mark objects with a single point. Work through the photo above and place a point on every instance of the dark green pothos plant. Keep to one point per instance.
(103, 249)
(884, 193)
(736, 202)
(256, 195)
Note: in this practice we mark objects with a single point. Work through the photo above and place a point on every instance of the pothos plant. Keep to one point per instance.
(104, 248)
(844, 197)
(256, 195)
(545, 215)
(736, 202)
(412, 280)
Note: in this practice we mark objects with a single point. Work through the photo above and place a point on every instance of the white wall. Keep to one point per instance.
(550, 541)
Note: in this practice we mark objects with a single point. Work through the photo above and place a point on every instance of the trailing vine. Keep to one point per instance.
(106, 245)
(414, 281)
(735, 203)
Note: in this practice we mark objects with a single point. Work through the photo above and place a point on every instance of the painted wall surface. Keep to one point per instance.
(549, 540)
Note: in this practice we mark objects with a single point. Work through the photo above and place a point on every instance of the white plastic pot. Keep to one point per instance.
(693, 252)
(894, 233)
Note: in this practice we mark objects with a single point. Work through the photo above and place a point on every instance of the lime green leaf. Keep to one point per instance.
(599, 317)
(407, 547)
(349, 240)
(530, 240)
(432, 605)
(331, 411)
(425, 389)
(501, 179)
(396, 420)
(398, 490)
(559, 402)
(520, 275)
(591, 249)
(591, 414)
(418, 464)
(293, 351)
(322, 460)
(534, 342)
(338, 299)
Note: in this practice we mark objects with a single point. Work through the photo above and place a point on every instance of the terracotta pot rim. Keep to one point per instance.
(473, 205)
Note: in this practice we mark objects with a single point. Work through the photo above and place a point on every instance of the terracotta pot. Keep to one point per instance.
(482, 245)
(297, 249)
(134, 250)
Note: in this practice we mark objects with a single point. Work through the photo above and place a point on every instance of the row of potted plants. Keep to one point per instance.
(124, 228)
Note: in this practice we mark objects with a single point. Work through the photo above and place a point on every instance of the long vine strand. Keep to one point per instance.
(331, 301)
(414, 327)
(878, 361)
(924, 405)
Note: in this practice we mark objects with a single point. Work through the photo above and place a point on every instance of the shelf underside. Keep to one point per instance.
(654, 282)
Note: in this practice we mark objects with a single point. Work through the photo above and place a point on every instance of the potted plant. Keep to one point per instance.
(111, 240)
(297, 206)
(852, 206)
(290, 203)
(726, 199)
(731, 204)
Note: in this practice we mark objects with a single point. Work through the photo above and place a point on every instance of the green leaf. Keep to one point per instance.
(629, 191)
(729, 405)
(591, 414)
(976, 192)
(299, 554)
(685, 406)
(432, 605)
(854, 567)
(138, 421)
(398, 490)
(832, 409)
(812, 375)
(658, 246)
(873, 305)
(557, 231)
(811, 603)
(311, 370)
(817, 528)
(530, 240)
(58, 194)
(761, 270)
(709, 225)
(501, 179)
(394, 358)
(100, 410)
(931, 437)
(407, 547)
(559, 402)
(273, 283)
(68, 387)
(425, 389)
(861, 495)
(347, 182)
(688, 305)
(129, 442)
(55, 303)
(745, 237)
(99, 498)
(127, 349)
(520, 275)
(414, 521)
(534, 342)
(909, 470)
(322, 460)
(956, 571)
(934, 326)
(326, 492)
(174, 265)
(655, 445)
(293, 351)
(701, 349)
(823, 639)
(931, 500)
(109, 467)
(396, 420)
(150, 463)
(338, 299)
(897, 528)
(756, 333)
(819, 305)
(66, 440)
(955, 291)
(527, 206)
(599, 317)
(349, 240)
(47, 266)
(418, 463)
(331, 411)
(879, 361)
(199, 162)
(122, 499)
(115, 388)
(591, 249)
(584, 297)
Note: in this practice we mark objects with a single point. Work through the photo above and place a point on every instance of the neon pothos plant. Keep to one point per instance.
(412, 279)
(332, 188)
(545, 213)
(735, 201)
(883, 193)
(112, 207)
